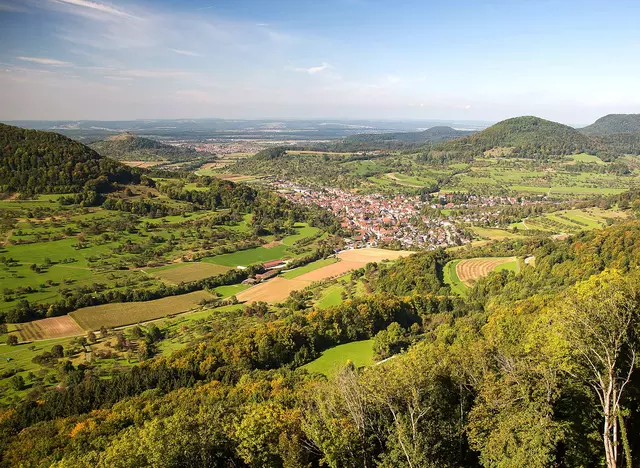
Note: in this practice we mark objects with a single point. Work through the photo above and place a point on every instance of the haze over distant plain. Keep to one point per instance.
(567, 61)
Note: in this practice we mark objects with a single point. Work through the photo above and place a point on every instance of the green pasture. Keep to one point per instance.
(331, 296)
(451, 278)
(360, 353)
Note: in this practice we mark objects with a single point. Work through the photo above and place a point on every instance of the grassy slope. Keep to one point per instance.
(451, 278)
(358, 352)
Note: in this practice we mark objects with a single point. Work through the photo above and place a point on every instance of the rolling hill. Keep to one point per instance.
(521, 136)
(432, 135)
(613, 123)
(34, 161)
(130, 147)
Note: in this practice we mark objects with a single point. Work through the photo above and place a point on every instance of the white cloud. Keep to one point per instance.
(186, 52)
(101, 7)
(46, 61)
(313, 70)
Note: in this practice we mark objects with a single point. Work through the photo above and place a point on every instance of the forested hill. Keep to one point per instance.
(614, 123)
(521, 136)
(33, 161)
(431, 135)
(130, 147)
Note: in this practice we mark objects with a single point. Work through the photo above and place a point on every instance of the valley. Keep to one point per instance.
(319, 260)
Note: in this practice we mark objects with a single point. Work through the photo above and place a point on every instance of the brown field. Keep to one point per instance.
(185, 272)
(372, 255)
(272, 244)
(330, 271)
(128, 313)
(278, 289)
(143, 164)
(275, 290)
(55, 327)
(470, 270)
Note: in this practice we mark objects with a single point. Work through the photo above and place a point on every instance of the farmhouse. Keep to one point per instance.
(267, 275)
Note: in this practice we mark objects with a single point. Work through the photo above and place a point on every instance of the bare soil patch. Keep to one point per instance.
(278, 289)
(54, 327)
(330, 271)
(372, 255)
(275, 290)
(272, 244)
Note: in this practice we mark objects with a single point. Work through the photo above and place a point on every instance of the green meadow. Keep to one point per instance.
(360, 353)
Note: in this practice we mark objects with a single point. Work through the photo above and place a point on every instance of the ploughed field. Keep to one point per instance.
(54, 327)
(278, 289)
(470, 270)
(463, 274)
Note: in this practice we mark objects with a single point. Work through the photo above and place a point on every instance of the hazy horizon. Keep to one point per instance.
(339, 60)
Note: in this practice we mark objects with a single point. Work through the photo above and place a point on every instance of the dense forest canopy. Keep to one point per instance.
(524, 136)
(613, 123)
(431, 135)
(33, 161)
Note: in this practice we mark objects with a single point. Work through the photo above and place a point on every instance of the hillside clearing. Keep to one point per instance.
(470, 270)
(360, 353)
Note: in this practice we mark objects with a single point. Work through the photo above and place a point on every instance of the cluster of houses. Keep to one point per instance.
(466, 200)
(377, 219)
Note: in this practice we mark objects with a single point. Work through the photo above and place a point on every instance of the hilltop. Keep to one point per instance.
(613, 123)
(34, 161)
(431, 135)
(526, 136)
(130, 147)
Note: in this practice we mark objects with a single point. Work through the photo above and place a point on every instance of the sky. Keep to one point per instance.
(568, 61)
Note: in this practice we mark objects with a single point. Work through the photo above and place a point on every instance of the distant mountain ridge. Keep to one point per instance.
(613, 123)
(130, 147)
(34, 161)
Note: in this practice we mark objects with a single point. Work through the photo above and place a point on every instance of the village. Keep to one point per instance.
(378, 220)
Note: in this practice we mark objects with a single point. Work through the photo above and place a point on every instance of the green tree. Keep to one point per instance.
(17, 382)
(601, 319)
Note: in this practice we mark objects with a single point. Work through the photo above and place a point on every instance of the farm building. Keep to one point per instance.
(273, 264)
(267, 275)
